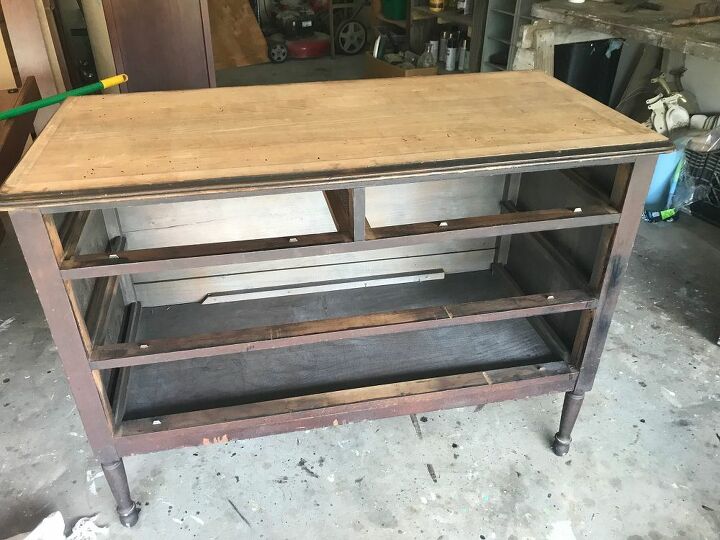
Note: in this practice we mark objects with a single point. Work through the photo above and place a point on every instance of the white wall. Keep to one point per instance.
(702, 78)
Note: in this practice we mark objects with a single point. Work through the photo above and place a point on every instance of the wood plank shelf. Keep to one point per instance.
(291, 334)
(193, 256)
(424, 12)
(525, 222)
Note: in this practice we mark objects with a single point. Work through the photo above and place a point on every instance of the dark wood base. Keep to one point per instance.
(571, 409)
(128, 511)
(147, 379)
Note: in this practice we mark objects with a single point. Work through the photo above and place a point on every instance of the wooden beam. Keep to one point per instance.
(222, 253)
(71, 231)
(101, 299)
(122, 375)
(301, 333)
(511, 190)
(357, 205)
(347, 208)
(340, 407)
(510, 223)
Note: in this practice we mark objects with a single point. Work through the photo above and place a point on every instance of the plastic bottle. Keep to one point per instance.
(426, 59)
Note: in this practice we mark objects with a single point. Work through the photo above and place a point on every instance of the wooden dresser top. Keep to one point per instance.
(126, 147)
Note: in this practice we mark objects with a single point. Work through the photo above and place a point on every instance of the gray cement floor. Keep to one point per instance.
(644, 463)
(293, 71)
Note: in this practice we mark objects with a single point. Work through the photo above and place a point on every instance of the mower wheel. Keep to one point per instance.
(277, 51)
(350, 37)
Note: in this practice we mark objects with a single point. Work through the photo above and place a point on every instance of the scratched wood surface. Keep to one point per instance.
(108, 146)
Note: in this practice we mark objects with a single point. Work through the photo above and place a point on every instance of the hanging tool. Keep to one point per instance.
(58, 98)
(704, 12)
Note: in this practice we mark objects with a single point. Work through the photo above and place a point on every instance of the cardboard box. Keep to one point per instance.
(377, 69)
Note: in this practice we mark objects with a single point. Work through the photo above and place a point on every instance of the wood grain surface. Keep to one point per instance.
(113, 146)
(236, 35)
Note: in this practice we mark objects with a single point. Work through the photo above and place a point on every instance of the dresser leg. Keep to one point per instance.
(571, 409)
(117, 480)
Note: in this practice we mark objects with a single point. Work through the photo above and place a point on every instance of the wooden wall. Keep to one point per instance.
(7, 76)
(34, 41)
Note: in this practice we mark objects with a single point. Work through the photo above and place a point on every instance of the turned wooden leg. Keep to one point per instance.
(571, 409)
(117, 480)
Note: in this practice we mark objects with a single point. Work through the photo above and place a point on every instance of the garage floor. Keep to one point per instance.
(645, 463)
(339, 68)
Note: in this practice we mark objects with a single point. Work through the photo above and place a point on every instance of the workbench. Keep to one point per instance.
(559, 22)
(641, 25)
(557, 179)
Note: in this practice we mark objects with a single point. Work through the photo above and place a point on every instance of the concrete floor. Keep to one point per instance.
(339, 68)
(644, 463)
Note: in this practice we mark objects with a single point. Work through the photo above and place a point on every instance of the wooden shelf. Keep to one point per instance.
(320, 331)
(504, 12)
(494, 65)
(500, 40)
(396, 22)
(322, 409)
(423, 12)
(396, 358)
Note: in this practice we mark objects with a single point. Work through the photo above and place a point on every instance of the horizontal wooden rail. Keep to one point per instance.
(197, 256)
(302, 333)
(340, 407)
(508, 223)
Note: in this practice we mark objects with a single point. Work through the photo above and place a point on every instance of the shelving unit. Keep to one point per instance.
(559, 197)
(504, 19)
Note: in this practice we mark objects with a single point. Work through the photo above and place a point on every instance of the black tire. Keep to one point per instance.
(350, 37)
(277, 52)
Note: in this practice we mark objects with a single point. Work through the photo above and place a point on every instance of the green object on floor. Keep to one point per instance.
(394, 9)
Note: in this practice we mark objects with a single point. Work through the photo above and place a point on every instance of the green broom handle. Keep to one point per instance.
(58, 98)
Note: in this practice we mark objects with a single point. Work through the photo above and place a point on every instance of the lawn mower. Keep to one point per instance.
(300, 29)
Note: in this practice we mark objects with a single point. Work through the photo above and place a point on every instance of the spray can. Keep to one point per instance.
(463, 53)
(451, 56)
(442, 48)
